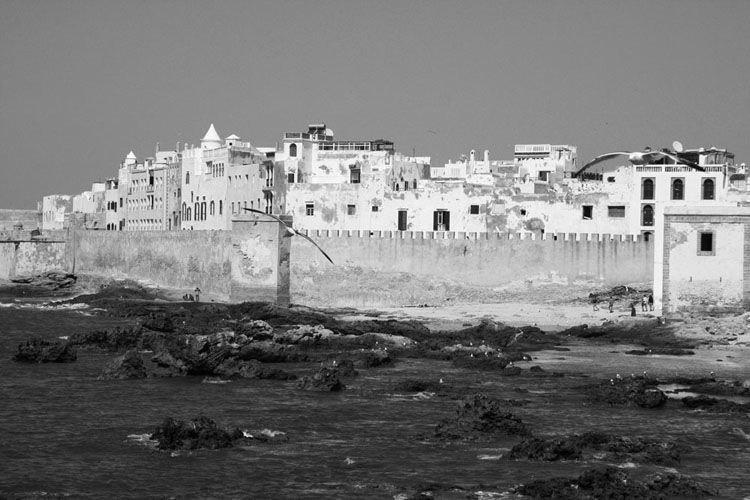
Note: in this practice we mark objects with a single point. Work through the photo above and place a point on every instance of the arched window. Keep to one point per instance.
(647, 189)
(678, 189)
(187, 177)
(211, 208)
(647, 215)
(708, 189)
(293, 150)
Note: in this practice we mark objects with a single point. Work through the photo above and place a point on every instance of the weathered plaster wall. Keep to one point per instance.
(237, 265)
(485, 261)
(20, 258)
(698, 281)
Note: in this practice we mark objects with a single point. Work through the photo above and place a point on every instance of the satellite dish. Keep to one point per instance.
(677, 147)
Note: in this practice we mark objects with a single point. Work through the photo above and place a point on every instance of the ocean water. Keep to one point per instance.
(63, 433)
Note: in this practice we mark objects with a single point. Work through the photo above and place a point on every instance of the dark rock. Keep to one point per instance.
(236, 368)
(376, 358)
(128, 366)
(664, 351)
(494, 363)
(576, 447)
(42, 351)
(636, 391)
(159, 322)
(168, 366)
(613, 483)
(198, 433)
(264, 351)
(481, 417)
(324, 380)
(715, 405)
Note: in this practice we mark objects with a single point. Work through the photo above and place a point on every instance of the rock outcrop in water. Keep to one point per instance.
(613, 483)
(326, 379)
(43, 351)
(481, 417)
(629, 391)
(584, 446)
(128, 366)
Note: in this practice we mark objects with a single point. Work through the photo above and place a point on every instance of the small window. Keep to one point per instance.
(474, 209)
(374, 208)
(616, 212)
(588, 212)
(706, 244)
(351, 209)
(647, 189)
(309, 209)
(678, 189)
(708, 189)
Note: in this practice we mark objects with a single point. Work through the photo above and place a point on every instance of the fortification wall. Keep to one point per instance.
(487, 260)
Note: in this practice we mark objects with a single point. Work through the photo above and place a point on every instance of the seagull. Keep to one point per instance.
(291, 231)
(640, 158)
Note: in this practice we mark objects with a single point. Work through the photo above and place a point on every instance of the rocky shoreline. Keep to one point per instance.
(224, 342)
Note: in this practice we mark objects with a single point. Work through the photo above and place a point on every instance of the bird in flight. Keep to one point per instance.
(640, 158)
(291, 231)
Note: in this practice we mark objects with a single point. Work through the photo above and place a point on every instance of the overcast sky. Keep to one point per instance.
(84, 82)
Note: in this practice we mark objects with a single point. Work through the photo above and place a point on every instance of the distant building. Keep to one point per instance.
(702, 259)
(150, 192)
(56, 209)
(220, 178)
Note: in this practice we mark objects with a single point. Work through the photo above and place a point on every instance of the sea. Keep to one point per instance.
(65, 434)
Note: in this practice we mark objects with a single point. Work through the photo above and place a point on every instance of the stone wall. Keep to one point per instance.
(386, 264)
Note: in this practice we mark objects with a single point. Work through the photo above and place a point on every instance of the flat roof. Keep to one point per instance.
(707, 210)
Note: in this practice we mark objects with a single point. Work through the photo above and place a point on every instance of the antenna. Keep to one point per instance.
(677, 147)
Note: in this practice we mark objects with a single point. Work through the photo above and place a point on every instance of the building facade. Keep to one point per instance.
(702, 259)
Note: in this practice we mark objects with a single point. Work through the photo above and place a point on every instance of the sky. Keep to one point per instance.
(83, 82)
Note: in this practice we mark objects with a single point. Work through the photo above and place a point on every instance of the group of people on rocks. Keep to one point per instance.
(647, 304)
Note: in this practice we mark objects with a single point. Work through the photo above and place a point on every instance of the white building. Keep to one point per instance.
(220, 178)
(702, 259)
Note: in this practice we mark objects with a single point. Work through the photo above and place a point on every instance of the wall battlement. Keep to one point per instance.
(463, 235)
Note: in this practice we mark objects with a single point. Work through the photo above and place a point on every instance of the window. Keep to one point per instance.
(616, 211)
(309, 209)
(706, 243)
(474, 209)
(374, 208)
(351, 209)
(290, 178)
(187, 178)
(647, 189)
(588, 212)
(293, 150)
(678, 189)
(441, 220)
(402, 220)
(708, 189)
(647, 215)
(354, 175)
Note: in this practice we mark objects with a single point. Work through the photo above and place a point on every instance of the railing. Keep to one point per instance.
(682, 168)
